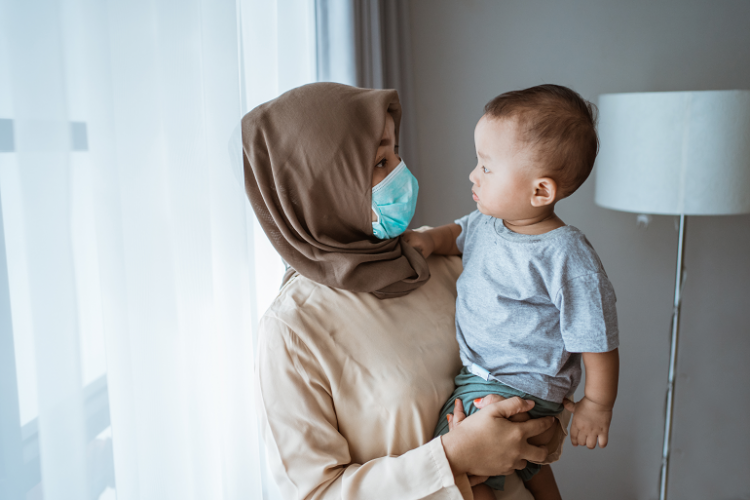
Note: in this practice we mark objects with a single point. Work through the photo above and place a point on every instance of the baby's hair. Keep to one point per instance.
(559, 124)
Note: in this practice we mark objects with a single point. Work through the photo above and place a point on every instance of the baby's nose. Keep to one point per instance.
(473, 178)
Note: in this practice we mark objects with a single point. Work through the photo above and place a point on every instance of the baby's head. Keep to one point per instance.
(534, 147)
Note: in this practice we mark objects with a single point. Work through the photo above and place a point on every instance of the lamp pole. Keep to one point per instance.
(679, 275)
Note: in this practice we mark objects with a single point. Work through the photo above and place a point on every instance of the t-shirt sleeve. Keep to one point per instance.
(588, 316)
(464, 222)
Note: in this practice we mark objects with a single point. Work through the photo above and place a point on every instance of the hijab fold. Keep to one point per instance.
(308, 159)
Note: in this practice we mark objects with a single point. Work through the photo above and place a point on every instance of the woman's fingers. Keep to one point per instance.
(495, 398)
(488, 400)
(458, 412)
(533, 428)
(457, 416)
(520, 417)
(509, 407)
(537, 426)
(488, 443)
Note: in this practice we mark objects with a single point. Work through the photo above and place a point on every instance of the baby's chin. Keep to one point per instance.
(483, 209)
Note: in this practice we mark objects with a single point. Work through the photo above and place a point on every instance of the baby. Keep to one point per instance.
(533, 298)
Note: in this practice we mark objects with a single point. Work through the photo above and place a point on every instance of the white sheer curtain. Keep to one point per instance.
(135, 270)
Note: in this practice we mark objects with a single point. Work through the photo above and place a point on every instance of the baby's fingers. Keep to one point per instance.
(603, 438)
(591, 441)
(574, 435)
(569, 405)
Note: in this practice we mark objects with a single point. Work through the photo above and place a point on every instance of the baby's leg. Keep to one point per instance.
(482, 492)
(543, 485)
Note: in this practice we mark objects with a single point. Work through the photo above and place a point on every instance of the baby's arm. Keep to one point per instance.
(440, 240)
(593, 414)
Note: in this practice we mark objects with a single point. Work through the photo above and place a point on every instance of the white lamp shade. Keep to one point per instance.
(675, 152)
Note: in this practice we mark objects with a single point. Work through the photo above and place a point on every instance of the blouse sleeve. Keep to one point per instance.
(308, 456)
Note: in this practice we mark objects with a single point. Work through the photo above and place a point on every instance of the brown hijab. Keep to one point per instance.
(309, 158)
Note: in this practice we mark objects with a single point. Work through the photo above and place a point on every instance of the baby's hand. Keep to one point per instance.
(421, 241)
(590, 423)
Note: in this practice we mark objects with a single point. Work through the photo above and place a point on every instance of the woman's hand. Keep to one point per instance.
(459, 414)
(496, 398)
(488, 444)
(453, 420)
(542, 439)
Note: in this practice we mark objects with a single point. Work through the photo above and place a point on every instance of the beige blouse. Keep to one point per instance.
(350, 388)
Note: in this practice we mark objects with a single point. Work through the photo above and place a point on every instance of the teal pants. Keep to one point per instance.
(470, 387)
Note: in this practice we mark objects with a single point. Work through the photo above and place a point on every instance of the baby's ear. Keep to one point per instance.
(544, 193)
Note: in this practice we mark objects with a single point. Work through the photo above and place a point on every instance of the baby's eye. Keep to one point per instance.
(485, 170)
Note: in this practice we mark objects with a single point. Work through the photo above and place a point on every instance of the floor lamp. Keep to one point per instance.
(674, 153)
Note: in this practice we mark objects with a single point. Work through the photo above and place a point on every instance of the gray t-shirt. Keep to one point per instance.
(528, 305)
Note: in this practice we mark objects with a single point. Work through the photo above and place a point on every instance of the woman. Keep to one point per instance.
(357, 354)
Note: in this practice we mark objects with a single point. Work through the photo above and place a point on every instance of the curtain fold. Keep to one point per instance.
(135, 269)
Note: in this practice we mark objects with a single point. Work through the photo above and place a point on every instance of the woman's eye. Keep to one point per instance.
(380, 164)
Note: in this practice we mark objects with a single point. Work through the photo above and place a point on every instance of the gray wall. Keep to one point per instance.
(466, 52)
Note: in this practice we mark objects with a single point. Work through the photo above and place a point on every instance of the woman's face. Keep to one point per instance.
(386, 158)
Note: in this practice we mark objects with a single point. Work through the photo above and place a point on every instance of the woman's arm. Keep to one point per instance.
(311, 459)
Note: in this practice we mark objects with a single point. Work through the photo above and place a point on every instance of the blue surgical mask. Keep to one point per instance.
(394, 200)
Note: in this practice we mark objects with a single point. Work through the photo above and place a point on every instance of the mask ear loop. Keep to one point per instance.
(377, 213)
(382, 185)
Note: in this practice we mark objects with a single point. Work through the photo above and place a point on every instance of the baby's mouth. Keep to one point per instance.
(474, 195)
